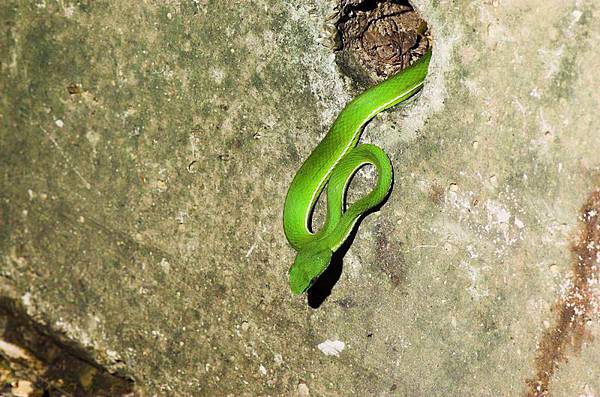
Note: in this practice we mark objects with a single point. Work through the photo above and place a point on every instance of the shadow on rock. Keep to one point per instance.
(322, 288)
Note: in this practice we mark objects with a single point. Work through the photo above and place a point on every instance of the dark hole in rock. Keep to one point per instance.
(34, 361)
(378, 38)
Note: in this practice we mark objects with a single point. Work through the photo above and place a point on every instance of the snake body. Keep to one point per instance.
(333, 162)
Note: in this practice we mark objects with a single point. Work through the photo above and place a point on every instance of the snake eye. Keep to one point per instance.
(299, 280)
(307, 268)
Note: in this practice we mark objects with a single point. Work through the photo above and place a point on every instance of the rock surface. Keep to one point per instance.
(145, 152)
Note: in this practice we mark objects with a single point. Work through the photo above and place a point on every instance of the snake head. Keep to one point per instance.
(307, 267)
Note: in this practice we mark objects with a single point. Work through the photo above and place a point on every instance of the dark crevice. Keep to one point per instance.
(49, 365)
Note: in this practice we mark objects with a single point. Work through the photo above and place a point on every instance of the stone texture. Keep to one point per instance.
(145, 152)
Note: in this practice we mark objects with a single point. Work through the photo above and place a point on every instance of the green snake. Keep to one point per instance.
(334, 162)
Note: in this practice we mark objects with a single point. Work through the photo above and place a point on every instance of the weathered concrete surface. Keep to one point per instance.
(146, 148)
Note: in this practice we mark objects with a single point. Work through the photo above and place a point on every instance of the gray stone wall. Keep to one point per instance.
(146, 149)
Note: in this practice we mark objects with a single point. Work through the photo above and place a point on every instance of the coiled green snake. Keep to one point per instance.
(334, 162)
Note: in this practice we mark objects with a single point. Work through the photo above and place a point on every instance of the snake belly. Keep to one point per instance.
(333, 163)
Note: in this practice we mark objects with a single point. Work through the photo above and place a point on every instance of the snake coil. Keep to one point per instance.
(333, 163)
